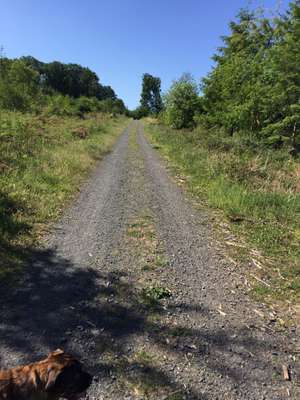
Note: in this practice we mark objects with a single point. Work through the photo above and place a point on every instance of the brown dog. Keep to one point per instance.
(59, 375)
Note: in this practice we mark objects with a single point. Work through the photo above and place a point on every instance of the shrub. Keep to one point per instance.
(181, 103)
(85, 105)
(19, 89)
(60, 105)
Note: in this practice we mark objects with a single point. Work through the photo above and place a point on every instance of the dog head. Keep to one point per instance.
(65, 376)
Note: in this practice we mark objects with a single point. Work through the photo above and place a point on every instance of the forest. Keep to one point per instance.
(27, 84)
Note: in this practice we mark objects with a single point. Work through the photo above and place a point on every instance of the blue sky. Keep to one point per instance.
(122, 39)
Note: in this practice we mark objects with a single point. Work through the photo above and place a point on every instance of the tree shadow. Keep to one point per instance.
(10, 228)
(10, 225)
(92, 313)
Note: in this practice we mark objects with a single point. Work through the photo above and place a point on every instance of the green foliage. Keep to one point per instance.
(152, 296)
(59, 105)
(27, 84)
(19, 85)
(139, 112)
(181, 103)
(69, 79)
(156, 293)
(255, 84)
(114, 106)
(87, 104)
(151, 102)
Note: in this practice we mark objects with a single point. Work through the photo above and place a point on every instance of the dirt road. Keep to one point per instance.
(132, 282)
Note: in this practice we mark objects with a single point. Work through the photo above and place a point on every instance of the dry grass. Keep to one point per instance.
(42, 166)
(255, 191)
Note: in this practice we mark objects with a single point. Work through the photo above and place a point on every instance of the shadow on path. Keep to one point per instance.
(87, 311)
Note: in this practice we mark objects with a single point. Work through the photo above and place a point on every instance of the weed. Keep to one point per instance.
(156, 293)
(161, 261)
(261, 292)
(135, 232)
(147, 267)
(143, 357)
(142, 228)
(151, 297)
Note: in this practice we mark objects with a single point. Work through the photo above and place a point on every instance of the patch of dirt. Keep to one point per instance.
(80, 132)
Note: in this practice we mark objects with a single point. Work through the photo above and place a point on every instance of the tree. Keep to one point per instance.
(284, 121)
(19, 85)
(65, 88)
(255, 83)
(139, 112)
(105, 92)
(150, 97)
(182, 102)
(69, 79)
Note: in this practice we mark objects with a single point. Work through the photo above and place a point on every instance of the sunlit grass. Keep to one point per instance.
(255, 189)
(43, 162)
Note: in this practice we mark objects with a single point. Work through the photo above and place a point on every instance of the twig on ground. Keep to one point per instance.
(286, 373)
(260, 280)
(235, 244)
(257, 263)
(259, 313)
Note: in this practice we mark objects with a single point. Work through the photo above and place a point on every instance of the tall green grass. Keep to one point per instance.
(43, 160)
(255, 189)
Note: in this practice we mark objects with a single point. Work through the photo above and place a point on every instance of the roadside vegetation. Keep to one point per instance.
(235, 141)
(256, 191)
(56, 121)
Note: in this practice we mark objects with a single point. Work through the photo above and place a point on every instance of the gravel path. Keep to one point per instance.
(132, 282)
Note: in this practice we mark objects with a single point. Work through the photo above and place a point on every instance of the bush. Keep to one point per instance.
(19, 86)
(113, 106)
(181, 103)
(254, 84)
(85, 105)
(60, 105)
(139, 112)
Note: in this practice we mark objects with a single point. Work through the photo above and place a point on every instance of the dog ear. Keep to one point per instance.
(52, 376)
(56, 352)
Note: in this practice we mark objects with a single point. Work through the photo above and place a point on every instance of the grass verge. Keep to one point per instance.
(43, 162)
(256, 194)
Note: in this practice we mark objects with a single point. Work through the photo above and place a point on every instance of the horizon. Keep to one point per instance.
(137, 38)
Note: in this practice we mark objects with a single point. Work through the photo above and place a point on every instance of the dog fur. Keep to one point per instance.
(60, 375)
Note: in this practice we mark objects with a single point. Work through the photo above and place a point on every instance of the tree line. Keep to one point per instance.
(253, 88)
(27, 84)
